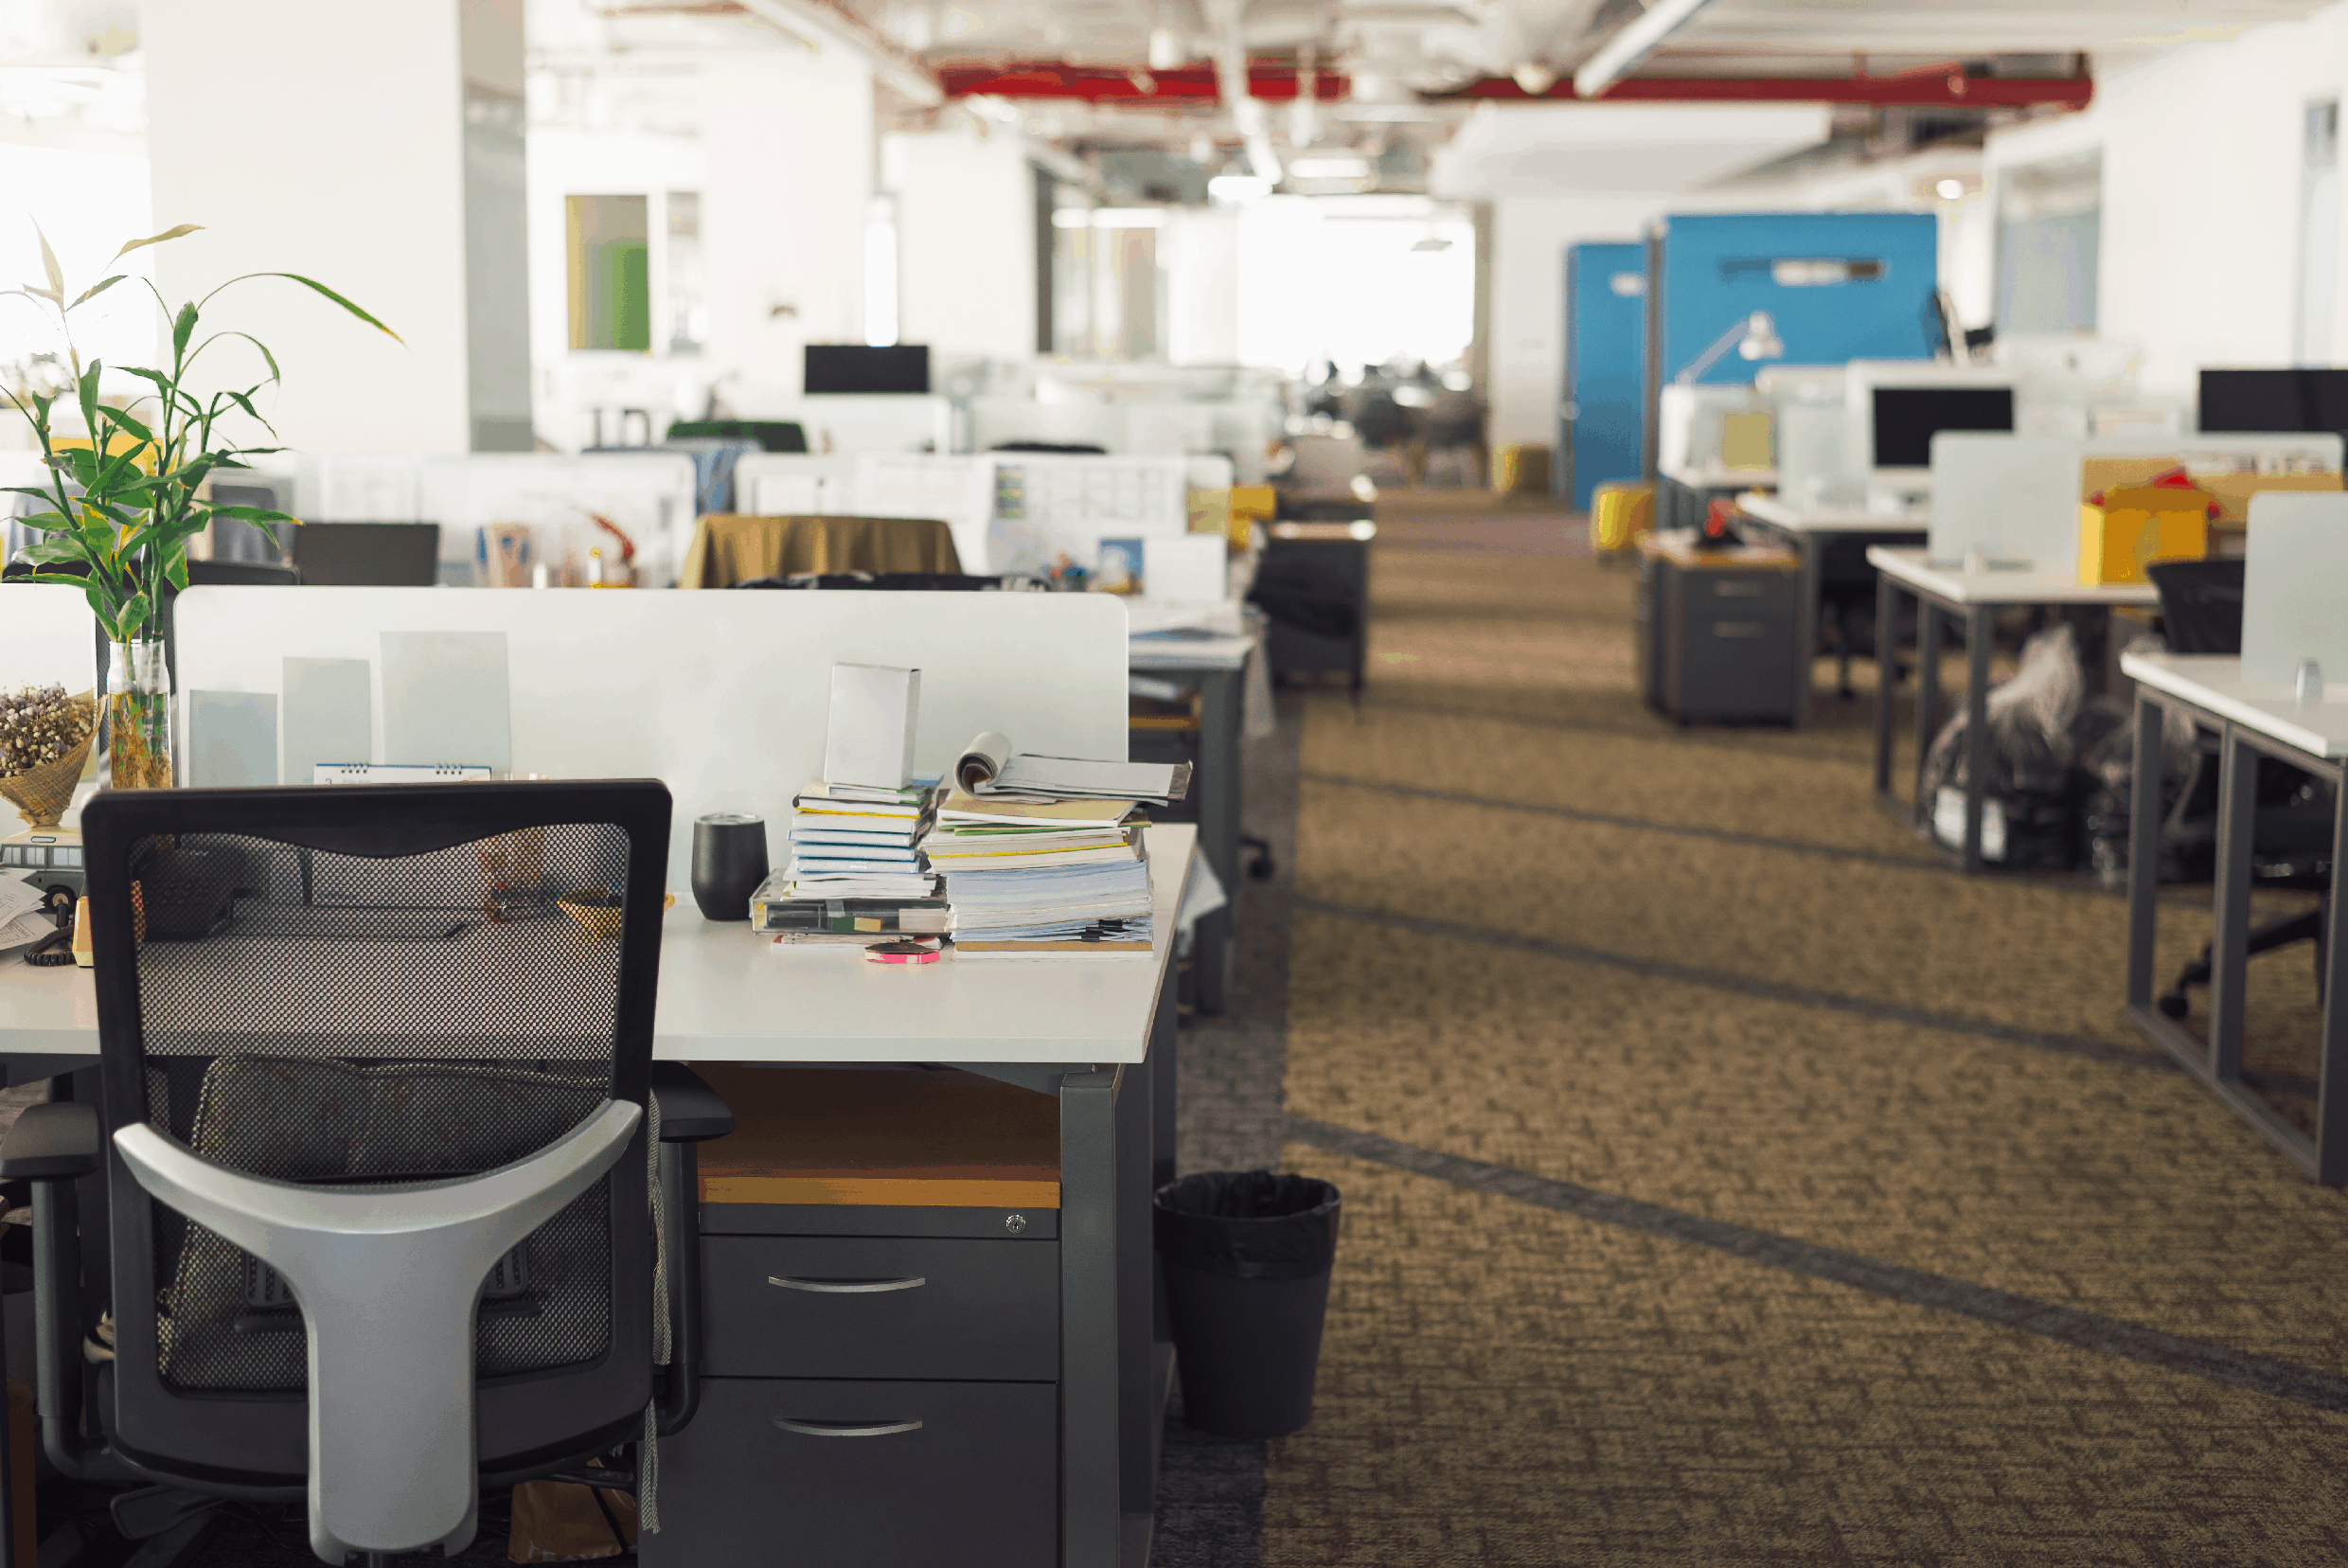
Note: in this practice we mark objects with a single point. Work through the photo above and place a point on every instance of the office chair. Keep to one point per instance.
(371, 1137)
(2291, 836)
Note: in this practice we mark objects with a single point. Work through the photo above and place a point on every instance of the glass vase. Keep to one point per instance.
(138, 717)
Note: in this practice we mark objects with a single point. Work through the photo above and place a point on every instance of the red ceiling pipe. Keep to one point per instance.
(1185, 84)
(1939, 89)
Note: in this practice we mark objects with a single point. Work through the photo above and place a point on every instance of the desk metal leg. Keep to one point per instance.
(1976, 623)
(1092, 1479)
(1927, 686)
(2237, 811)
(2144, 883)
(2332, 1073)
(1887, 677)
(1218, 783)
(1806, 640)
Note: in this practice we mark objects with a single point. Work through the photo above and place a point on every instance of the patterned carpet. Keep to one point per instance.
(1726, 1180)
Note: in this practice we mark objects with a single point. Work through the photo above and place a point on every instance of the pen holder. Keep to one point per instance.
(729, 862)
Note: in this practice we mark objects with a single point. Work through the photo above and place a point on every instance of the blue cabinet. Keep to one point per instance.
(1604, 427)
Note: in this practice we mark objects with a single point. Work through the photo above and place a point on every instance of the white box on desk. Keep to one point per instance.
(868, 737)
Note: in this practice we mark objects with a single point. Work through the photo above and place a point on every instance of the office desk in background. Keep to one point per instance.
(1972, 598)
(2250, 722)
(1097, 1034)
(1830, 543)
(1683, 495)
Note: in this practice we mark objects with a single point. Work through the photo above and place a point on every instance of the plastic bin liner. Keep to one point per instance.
(1249, 1224)
(2030, 783)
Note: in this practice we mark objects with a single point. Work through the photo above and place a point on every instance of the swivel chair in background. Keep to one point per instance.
(2293, 828)
(371, 1136)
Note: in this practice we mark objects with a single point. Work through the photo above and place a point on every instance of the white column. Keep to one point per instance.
(332, 140)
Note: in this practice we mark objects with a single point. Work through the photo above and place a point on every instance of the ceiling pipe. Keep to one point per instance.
(1223, 19)
(1949, 89)
(1619, 55)
(836, 24)
(1196, 84)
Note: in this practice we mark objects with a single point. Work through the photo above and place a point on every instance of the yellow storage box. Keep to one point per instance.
(1520, 468)
(1619, 513)
(2136, 524)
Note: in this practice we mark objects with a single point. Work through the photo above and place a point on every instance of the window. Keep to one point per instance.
(611, 267)
(2049, 224)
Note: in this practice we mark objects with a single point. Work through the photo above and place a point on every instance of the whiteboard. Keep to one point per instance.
(2014, 498)
(2295, 588)
(722, 695)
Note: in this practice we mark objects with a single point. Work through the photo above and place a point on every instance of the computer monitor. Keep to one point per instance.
(233, 539)
(1905, 420)
(2265, 400)
(857, 368)
(367, 555)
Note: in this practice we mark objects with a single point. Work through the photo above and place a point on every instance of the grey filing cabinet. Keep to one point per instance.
(1718, 630)
(879, 1390)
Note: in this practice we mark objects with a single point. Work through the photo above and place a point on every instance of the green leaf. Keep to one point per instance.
(88, 391)
(274, 374)
(155, 239)
(252, 514)
(49, 521)
(183, 329)
(175, 565)
(122, 421)
(48, 551)
(314, 283)
(246, 404)
(48, 263)
(55, 296)
(162, 383)
(95, 289)
(60, 577)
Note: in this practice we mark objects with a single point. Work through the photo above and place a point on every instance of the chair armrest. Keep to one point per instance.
(55, 1142)
(691, 1111)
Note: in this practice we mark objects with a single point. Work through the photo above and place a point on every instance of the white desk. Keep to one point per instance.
(1971, 598)
(1096, 1033)
(1824, 542)
(2250, 719)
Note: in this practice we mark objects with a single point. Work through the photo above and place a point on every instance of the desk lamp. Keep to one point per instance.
(1753, 338)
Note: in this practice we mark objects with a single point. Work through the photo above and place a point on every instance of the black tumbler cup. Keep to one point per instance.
(729, 862)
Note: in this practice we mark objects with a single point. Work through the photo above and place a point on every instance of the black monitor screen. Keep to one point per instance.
(854, 367)
(1906, 419)
(2265, 400)
(367, 555)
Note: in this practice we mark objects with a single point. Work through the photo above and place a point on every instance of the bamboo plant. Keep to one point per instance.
(126, 497)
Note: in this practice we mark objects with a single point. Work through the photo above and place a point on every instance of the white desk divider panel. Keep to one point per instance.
(722, 695)
(360, 488)
(958, 492)
(796, 484)
(48, 635)
(2320, 449)
(2295, 589)
(858, 422)
(2014, 498)
(1070, 504)
(649, 494)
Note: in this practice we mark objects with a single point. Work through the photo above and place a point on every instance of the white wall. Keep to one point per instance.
(88, 203)
(2200, 243)
(788, 138)
(322, 139)
(966, 220)
(1530, 235)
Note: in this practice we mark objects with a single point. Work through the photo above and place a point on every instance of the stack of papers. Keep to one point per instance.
(796, 919)
(1079, 779)
(1037, 875)
(851, 841)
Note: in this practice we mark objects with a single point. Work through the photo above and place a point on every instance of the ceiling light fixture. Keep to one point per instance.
(1949, 191)
(1621, 54)
(1535, 79)
(1328, 166)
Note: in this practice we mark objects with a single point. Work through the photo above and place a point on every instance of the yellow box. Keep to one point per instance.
(1251, 504)
(2138, 524)
(1520, 468)
(1619, 513)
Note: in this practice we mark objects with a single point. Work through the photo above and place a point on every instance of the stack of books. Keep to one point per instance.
(1042, 876)
(815, 919)
(850, 841)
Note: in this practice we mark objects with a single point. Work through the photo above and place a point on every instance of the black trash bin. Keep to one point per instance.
(1247, 1257)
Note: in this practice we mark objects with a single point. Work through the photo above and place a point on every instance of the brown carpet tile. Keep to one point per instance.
(1703, 1005)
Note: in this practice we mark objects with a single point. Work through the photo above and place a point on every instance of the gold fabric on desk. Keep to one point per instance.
(730, 548)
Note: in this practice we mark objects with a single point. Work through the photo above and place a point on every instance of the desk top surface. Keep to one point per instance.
(2001, 585)
(1832, 520)
(1716, 476)
(728, 994)
(2213, 682)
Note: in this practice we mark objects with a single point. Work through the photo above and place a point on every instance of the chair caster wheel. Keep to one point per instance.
(2173, 1005)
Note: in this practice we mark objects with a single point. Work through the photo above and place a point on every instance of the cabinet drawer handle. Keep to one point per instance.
(1737, 628)
(837, 1428)
(846, 1286)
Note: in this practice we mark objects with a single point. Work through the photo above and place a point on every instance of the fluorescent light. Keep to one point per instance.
(1949, 191)
(1234, 189)
(1328, 166)
(1103, 218)
(1631, 44)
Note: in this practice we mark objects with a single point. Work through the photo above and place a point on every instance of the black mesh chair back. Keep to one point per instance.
(2201, 603)
(363, 987)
